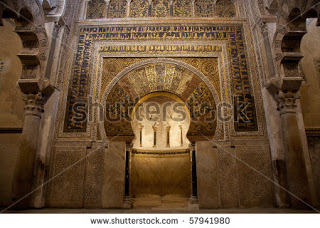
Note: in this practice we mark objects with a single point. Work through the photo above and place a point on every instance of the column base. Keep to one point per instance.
(193, 203)
(127, 202)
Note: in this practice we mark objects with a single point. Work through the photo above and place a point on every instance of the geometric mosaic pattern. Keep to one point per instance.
(204, 8)
(139, 8)
(182, 8)
(232, 34)
(117, 9)
(225, 8)
(160, 8)
(96, 9)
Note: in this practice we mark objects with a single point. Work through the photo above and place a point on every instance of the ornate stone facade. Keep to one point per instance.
(236, 44)
(235, 60)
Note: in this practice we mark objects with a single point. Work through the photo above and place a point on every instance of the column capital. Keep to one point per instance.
(193, 146)
(286, 101)
(263, 26)
(34, 104)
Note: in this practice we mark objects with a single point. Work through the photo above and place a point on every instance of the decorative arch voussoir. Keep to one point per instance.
(291, 27)
(29, 20)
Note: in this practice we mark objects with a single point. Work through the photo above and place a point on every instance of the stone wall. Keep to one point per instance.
(310, 92)
(229, 176)
(11, 103)
(224, 181)
(314, 151)
(87, 176)
(11, 108)
(310, 96)
(8, 156)
(237, 176)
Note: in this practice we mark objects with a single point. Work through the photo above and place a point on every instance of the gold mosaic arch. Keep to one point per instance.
(159, 76)
(202, 73)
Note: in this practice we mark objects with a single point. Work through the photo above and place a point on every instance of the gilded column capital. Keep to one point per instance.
(34, 104)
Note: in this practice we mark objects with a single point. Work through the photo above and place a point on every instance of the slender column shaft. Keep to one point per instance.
(194, 183)
(23, 176)
(295, 164)
(267, 45)
(127, 203)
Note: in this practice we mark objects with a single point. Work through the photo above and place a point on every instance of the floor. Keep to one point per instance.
(162, 205)
(156, 202)
(163, 211)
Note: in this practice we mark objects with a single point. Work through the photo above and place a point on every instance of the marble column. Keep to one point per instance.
(265, 34)
(194, 185)
(171, 8)
(297, 177)
(128, 8)
(150, 8)
(275, 135)
(127, 202)
(168, 136)
(23, 176)
(193, 8)
(107, 8)
(154, 136)
(140, 133)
